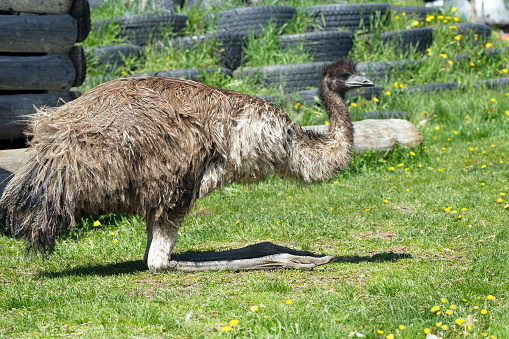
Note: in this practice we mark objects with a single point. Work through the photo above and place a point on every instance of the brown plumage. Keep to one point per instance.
(152, 145)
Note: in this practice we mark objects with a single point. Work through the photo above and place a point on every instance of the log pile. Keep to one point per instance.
(39, 62)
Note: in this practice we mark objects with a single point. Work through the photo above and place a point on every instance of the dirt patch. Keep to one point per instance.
(202, 213)
(403, 209)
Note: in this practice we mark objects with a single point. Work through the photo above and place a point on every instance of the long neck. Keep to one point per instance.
(340, 125)
(316, 157)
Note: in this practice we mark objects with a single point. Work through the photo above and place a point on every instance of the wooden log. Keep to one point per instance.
(14, 110)
(53, 72)
(47, 34)
(36, 6)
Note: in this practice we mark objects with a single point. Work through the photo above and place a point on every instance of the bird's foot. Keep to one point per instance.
(262, 256)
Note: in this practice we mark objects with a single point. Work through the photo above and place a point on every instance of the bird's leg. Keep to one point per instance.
(262, 256)
(161, 239)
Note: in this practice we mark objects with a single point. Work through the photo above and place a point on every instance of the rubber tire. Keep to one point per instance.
(292, 77)
(189, 73)
(433, 87)
(496, 83)
(384, 115)
(231, 49)
(380, 71)
(324, 46)
(347, 16)
(419, 38)
(419, 11)
(252, 19)
(365, 92)
(113, 55)
(468, 29)
(144, 28)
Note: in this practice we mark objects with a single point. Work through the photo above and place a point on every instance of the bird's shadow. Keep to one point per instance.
(133, 266)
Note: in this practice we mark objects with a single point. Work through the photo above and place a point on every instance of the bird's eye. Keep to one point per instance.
(345, 75)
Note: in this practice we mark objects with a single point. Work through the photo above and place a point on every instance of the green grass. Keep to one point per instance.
(392, 219)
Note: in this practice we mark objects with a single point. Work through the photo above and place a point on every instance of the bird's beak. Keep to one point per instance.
(358, 81)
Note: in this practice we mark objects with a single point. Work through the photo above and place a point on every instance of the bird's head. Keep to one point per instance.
(341, 76)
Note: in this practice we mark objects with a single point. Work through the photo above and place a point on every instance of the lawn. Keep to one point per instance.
(421, 235)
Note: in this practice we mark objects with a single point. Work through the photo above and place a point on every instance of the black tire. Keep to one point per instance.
(380, 71)
(231, 49)
(418, 38)
(113, 56)
(496, 83)
(365, 92)
(349, 16)
(420, 11)
(384, 115)
(292, 77)
(194, 74)
(324, 46)
(252, 19)
(434, 87)
(470, 30)
(308, 96)
(144, 28)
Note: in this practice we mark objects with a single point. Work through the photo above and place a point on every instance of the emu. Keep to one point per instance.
(153, 145)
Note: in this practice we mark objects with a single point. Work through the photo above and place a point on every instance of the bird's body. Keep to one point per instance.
(153, 145)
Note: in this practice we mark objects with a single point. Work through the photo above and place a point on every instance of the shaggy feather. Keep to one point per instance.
(152, 145)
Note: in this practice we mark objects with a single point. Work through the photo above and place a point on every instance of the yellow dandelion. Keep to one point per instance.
(440, 17)
(435, 309)
(289, 302)
(443, 55)
(226, 328)
(354, 104)
(504, 70)
(444, 327)
(412, 154)
(453, 9)
(96, 223)
(488, 45)
(443, 299)
(401, 327)
(379, 331)
(484, 311)
(493, 100)
(447, 209)
(437, 128)
(113, 233)
(401, 85)
(500, 200)
(396, 84)
(375, 99)
(426, 330)
(387, 93)
(385, 201)
(457, 37)
(455, 132)
(233, 322)
(396, 17)
(416, 23)
(438, 324)
(114, 241)
(448, 312)
(297, 105)
(490, 297)
(390, 336)
(429, 18)
(472, 64)
(450, 62)
(366, 209)
(326, 122)
(392, 168)
(456, 19)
